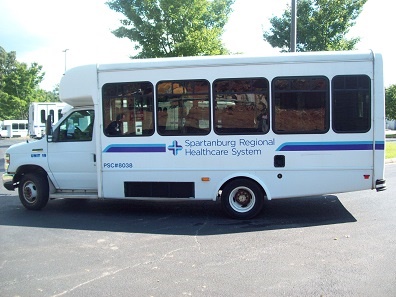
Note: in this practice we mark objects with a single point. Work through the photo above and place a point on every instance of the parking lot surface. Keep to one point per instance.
(337, 245)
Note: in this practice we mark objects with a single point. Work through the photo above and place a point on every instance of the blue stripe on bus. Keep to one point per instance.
(331, 146)
(380, 145)
(135, 148)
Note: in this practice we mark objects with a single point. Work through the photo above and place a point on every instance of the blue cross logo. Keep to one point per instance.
(175, 147)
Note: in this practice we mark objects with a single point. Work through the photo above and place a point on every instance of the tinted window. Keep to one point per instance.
(42, 115)
(351, 103)
(241, 106)
(128, 109)
(183, 107)
(51, 112)
(59, 114)
(300, 104)
(78, 126)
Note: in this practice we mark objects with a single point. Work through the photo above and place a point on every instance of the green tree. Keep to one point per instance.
(172, 28)
(321, 25)
(52, 96)
(390, 102)
(19, 86)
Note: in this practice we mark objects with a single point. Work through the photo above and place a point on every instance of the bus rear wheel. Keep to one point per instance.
(34, 191)
(242, 199)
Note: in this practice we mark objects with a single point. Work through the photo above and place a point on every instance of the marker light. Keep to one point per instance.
(6, 161)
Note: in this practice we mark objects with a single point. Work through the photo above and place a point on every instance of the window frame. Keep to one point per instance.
(89, 135)
(350, 90)
(326, 105)
(252, 106)
(125, 109)
(178, 90)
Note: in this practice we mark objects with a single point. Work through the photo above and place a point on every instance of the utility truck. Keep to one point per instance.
(239, 129)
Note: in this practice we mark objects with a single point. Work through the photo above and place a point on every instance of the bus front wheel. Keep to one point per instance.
(242, 199)
(34, 191)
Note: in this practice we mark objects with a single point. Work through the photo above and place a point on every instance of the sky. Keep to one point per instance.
(61, 34)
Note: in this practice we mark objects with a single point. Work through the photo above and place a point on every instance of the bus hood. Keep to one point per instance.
(28, 147)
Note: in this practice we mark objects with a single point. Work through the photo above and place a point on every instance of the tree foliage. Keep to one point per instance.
(172, 28)
(19, 86)
(390, 102)
(321, 25)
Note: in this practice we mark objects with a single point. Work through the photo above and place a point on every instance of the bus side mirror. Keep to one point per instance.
(48, 128)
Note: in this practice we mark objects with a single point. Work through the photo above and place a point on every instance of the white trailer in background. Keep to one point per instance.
(38, 113)
(14, 128)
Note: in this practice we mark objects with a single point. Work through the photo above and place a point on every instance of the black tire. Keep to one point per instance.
(34, 191)
(242, 199)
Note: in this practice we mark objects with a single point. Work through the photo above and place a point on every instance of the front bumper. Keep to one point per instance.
(8, 181)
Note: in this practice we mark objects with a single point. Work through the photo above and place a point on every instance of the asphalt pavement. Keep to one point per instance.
(337, 245)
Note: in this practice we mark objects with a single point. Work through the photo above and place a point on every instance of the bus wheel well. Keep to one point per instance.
(25, 169)
(240, 177)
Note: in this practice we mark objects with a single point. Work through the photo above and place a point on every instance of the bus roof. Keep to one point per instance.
(79, 84)
(218, 61)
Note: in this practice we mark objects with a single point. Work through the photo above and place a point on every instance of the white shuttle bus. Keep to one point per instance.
(38, 114)
(14, 128)
(234, 128)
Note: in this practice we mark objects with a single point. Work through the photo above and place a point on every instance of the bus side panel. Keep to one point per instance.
(304, 172)
(343, 162)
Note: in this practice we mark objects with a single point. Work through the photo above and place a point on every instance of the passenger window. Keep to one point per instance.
(128, 109)
(52, 114)
(241, 106)
(59, 114)
(300, 105)
(351, 103)
(78, 126)
(183, 107)
(42, 115)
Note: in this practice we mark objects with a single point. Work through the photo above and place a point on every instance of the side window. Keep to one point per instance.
(52, 113)
(78, 126)
(183, 107)
(128, 109)
(300, 105)
(59, 114)
(42, 116)
(351, 103)
(241, 106)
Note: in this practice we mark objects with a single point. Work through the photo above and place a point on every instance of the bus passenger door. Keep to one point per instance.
(71, 153)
